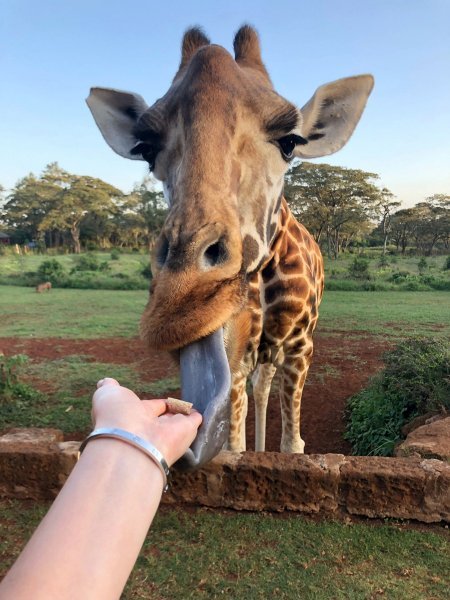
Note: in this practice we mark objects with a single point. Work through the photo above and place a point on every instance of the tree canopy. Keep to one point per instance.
(341, 207)
(336, 204)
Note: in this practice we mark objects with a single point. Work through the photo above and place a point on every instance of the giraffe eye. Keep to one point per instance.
(287, 144)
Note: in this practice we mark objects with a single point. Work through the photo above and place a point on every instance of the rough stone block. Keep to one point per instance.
(262, 481)
(431, 440)
(395, 487)
(29, 465)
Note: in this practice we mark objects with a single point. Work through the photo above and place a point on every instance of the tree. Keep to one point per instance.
(144, 212)
(403, 224)
(77, 197)
(433, 222)
(332, 202)
(386, 205)
(26, 206)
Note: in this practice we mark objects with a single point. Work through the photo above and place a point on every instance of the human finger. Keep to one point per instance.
(107, 381)
(157, 407)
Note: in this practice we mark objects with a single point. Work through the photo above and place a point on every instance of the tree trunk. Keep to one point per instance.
(75, 233)
(385, 244)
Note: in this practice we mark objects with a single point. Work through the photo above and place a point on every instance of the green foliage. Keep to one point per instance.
(90, 262)
(422, 265)
(447, 263)
(50, 270)
(146, 271)
(414, 381)
(334, 202)
(384, 261)
(359, 268)
(115, 254)
(11, 388)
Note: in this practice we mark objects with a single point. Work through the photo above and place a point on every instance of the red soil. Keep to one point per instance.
(342, 364)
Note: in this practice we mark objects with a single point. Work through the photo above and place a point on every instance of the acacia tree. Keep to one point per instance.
(333, 202)
(54, 205)
(386, 206)
(433, 222)
(145, 211)
(403, 224)
(27, 205)
(81, 197)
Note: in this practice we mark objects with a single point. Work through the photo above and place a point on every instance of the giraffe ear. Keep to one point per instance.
(193, 39)
(247, 51)
(116, 114)
(332, 114)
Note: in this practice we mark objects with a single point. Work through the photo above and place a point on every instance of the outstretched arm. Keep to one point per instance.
(88, 542)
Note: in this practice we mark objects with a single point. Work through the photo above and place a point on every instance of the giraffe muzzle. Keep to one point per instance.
(206, 382)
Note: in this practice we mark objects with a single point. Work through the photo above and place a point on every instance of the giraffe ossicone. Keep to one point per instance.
(237, 280)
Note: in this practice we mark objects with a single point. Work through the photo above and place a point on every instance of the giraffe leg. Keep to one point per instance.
(262, 380)
(293, 375)
(239, 405)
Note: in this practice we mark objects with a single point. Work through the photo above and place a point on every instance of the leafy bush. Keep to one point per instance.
(50, 270)
(11, 388)
(359, 268)
(384, 261)
(146, 271)
(415, 381)
(399, 276)
(115, 254)
(90, 262)
(422, 265)
(447, 263)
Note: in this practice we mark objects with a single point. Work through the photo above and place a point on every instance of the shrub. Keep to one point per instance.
(447, 263)
(115, 254)
(90, 262)
(399, 276)
(146, 271)
(10, 386)
(50, 270)
(359, 268)
(422, 265)
(384, 261)
(415, 381)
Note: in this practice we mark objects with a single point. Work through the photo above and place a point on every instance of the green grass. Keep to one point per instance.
(101, 313)
(69, 384)
(395, 314)
(210, 555)
(67, 313)
(128, 263)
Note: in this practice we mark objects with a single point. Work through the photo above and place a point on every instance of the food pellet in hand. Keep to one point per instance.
(176, 406)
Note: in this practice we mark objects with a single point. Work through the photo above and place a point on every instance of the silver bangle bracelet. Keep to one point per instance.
(133, 440)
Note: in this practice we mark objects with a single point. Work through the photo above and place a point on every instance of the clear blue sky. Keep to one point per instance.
(53, 51)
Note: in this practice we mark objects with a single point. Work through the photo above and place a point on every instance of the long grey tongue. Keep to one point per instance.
(206, 382)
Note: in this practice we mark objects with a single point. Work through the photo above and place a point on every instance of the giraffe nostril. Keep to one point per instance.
(215, 254)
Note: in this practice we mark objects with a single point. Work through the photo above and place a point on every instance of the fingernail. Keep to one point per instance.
(100, 383)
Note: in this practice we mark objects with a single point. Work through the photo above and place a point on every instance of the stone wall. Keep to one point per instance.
(35, 464)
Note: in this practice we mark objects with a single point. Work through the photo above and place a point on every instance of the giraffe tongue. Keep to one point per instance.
(206, 381)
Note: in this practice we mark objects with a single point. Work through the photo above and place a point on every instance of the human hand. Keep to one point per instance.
(117, 406)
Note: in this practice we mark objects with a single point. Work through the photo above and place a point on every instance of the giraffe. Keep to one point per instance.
(237, 280)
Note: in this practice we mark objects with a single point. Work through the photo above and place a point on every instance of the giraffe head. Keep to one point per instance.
(220, 140)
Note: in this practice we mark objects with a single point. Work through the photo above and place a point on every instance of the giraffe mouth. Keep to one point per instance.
(206, 382)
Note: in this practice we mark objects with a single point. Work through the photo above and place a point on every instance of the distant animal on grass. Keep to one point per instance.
(42, 287)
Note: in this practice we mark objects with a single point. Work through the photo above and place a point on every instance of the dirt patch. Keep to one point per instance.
(343, 363)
